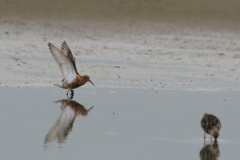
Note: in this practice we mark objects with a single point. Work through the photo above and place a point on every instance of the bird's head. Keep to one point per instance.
(215, 135)
(214, 132)
(87, 79)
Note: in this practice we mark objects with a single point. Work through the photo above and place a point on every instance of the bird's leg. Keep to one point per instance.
(211, 138)
(72, 93)
(204, 137)
(67, 92)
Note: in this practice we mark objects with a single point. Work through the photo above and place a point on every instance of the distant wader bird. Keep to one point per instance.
(211, 125)
(71, 78)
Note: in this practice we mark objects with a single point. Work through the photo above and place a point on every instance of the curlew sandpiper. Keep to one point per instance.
(71, 78)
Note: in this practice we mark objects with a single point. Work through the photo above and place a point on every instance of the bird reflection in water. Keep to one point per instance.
(210, 151)
(64, 124)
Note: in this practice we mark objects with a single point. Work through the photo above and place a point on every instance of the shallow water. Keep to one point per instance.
(123, 124)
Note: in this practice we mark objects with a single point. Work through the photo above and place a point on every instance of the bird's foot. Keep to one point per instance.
(71, 94)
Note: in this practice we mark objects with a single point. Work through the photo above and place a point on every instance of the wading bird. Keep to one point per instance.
(211, 125)
(71, 78)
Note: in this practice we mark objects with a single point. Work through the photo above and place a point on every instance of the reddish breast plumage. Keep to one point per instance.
(77, 82)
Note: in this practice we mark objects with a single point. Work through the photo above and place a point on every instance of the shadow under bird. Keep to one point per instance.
(71, 78)
(70, 110)
(211, 125)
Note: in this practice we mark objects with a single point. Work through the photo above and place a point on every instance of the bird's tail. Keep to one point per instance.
(61, 85)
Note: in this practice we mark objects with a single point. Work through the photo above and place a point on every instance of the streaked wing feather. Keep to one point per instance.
(69, 55)
(66, 66)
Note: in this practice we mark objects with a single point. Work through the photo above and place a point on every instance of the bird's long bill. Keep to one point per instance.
(91, 82)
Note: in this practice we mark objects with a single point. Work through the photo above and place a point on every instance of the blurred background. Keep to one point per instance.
(225, 12)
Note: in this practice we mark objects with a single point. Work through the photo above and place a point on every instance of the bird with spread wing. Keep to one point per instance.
(71, 78)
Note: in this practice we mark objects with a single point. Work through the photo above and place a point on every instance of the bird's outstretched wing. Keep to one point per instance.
(68, 54)
(65, 64)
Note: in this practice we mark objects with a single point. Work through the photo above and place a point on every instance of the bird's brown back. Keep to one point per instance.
(209, 122)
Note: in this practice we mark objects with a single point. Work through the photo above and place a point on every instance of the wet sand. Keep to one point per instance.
(158, 66)
(123, 44)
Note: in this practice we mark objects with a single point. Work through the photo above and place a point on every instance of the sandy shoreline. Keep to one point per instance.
(124, 45)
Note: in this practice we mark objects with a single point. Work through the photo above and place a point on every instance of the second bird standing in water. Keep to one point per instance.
(71, 78)
(211, 125)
